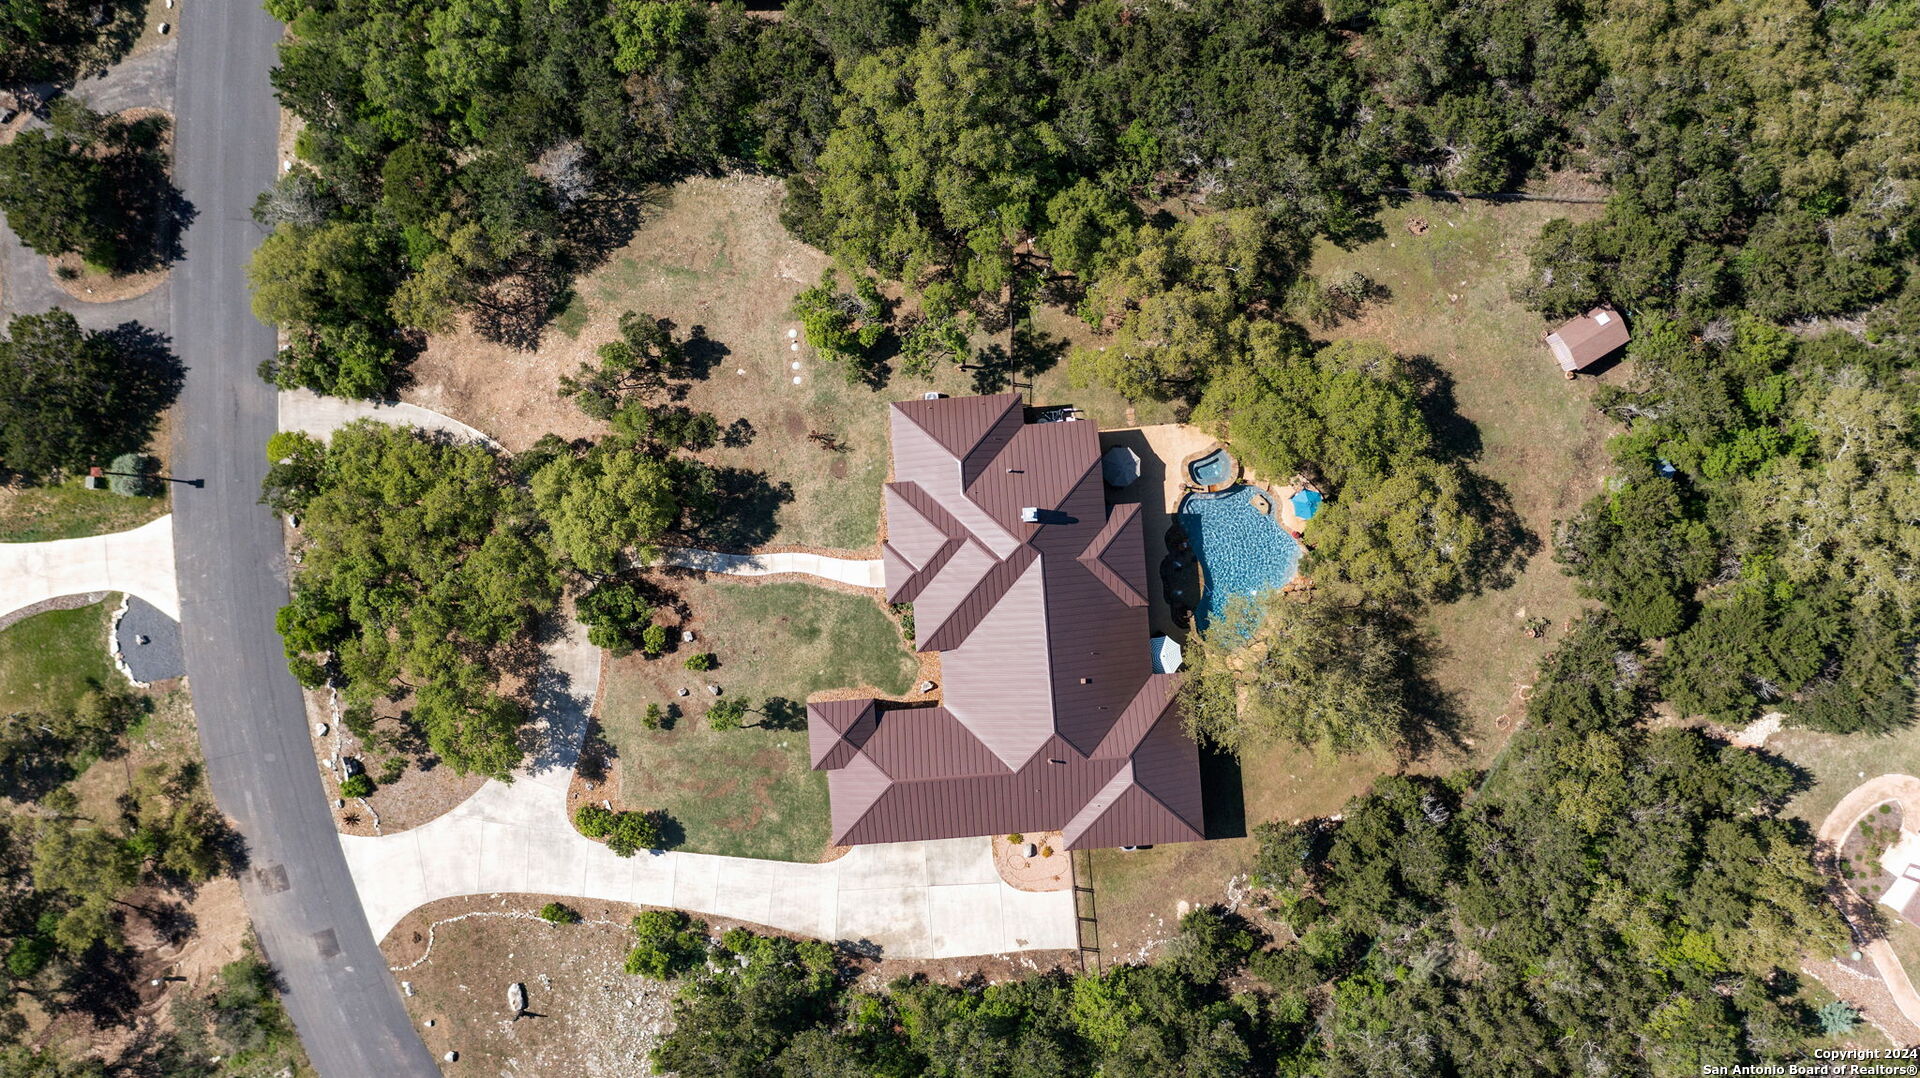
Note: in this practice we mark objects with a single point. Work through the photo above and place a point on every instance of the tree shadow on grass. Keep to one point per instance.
(780, 713)
(742, 512)
(1454, 436)
(100, 987)
(1509, 544)
(515, 308)
(1437, 723)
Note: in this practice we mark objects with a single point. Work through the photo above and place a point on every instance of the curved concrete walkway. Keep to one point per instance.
(861, 573)
(908, 900)
(138, 562)
(1834, 830)
(310, 413)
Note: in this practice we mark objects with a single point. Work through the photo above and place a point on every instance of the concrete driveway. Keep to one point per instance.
(903, 900)
(310, 413)
(859, 572)
(909, 900)
(139, 562)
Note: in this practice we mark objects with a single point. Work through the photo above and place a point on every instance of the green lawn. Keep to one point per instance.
(70, 511)
(48, 661)
(1836, 763)
(748, 792)
(1526, 427)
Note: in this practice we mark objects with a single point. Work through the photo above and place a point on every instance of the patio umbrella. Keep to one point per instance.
(1305, 504)
(1120, 466)
(1167, 655)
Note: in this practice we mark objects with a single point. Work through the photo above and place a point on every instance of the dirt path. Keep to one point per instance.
(1842, 820)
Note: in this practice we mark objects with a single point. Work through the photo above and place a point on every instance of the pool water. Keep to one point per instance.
(1216, 467)
(1241, 550)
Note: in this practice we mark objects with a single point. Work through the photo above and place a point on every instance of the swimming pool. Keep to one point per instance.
(1212, 470)
(1241, 551)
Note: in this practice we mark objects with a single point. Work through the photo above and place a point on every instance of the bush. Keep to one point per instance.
(904, 611)
(133, 476)
(391, 771)
(727, 714)
(702, 662)
(593, 821)
(559, 913)
(356, 786)
(653, 641)
(654, 718)
(627, 833)
(617, 616)
(359, 722)
(670, 943)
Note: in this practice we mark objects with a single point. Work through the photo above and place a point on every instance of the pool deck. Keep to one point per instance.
(1158, 492)
(1164, 450)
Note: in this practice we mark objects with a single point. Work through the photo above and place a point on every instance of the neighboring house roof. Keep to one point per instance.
(1588, 338)
(1034, 591)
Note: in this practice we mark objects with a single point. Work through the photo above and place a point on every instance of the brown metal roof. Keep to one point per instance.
(1051, 714)
(1588, 338)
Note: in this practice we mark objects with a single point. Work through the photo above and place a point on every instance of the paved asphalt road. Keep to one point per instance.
(345, 1004)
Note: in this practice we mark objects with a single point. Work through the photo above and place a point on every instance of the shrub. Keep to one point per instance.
(653, 641)
(633, 832)
(904, 611)
(654, 718)
(670, 943)
(391, 771)
(701, 662)
(1016, 838)
(627, 833)
(617, 616)
(593, 821)
(727, 714)
(310, 674)
(1046, 851)
(356, 786)
(1837, 1019)
(559, 913)
(133, 476)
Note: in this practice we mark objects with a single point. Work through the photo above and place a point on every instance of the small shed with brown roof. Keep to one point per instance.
(1587, 339)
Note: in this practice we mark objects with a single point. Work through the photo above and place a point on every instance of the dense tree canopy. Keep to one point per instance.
(1339, 678)
(90, 185)
(77, 397)
(423, 566)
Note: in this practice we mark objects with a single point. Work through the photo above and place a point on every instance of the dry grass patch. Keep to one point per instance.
(1531, 430)
(587, 1015)
(713, 255)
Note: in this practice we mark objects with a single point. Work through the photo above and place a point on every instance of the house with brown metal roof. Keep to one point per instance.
(1034, 592)
(1588, 339)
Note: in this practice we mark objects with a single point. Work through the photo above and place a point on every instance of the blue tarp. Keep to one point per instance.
(1306, 503)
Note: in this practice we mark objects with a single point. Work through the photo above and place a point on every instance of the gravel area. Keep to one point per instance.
(149, 643)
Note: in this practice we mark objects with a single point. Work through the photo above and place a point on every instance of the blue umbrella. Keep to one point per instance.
(1306, 504)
